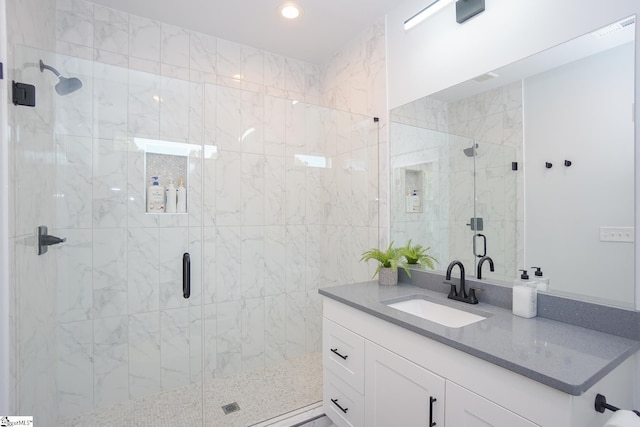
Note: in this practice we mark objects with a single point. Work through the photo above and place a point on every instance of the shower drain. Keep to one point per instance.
(230, 407)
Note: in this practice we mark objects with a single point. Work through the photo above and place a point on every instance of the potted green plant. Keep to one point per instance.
(418, 255)
(388, 263)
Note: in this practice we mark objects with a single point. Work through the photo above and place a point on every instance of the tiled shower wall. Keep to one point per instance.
(270, 229)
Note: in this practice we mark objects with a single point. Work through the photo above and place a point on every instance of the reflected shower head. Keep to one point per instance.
(471, 151)
(65, 85)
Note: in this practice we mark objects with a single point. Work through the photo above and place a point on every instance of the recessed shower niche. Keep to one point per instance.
(166, 174)
(414, 187)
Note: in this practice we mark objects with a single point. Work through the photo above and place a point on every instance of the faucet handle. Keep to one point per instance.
(472, 295)
(453, 292)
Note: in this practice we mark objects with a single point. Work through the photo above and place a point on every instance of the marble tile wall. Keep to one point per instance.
(282, 199)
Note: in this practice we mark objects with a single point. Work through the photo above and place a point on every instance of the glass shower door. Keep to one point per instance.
(103, 318)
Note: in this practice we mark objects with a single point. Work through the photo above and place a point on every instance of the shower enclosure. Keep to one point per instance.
(281, 199)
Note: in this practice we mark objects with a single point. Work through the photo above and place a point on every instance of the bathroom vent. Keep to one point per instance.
(605, 31)
(230, 408)
(484, 77)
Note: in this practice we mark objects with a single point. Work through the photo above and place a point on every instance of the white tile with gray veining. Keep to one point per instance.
(111, 360)
(74, 22)
(144, 38)
(74, 181)
(174, 341)
(142, 269)
(75, 367)
(229, 338)
(109, 272)
(144, 354)
(253, 333)
(74, 266)
(110, 30)
(228, 241)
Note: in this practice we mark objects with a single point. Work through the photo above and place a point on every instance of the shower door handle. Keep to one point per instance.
(186, 275)
(484, 244)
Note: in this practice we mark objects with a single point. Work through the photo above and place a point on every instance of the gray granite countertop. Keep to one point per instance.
(566, 357)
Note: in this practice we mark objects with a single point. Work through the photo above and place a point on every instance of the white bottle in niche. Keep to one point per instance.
(155, 196)
(182, 198)
(415, 201)
(171, 198)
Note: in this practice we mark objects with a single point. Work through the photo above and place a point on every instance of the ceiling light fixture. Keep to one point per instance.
(434, 7)
(290, 10)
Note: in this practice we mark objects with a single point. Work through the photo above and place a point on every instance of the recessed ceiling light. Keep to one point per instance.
(290, 10)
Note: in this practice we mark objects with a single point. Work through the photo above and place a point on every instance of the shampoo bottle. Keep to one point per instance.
(171, 197)
(415, 201)
(155, 196)
(182, 198)
(525, 296)
(542, 282)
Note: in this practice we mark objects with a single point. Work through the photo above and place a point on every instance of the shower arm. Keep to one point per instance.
(44, 66)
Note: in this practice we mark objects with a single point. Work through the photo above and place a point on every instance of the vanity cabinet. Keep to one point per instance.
(379, 374)
(399, 392)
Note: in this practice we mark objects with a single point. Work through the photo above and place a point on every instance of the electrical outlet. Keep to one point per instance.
(617, 234)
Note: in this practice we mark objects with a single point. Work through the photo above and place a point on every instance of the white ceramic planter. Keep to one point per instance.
(388, 277)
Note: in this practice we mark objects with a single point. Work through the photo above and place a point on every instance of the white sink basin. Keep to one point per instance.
(442, 314)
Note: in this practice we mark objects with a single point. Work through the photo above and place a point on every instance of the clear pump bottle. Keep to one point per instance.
(542, 282)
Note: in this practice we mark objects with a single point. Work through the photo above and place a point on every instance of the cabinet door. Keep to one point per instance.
(399, 392)
(465, 408)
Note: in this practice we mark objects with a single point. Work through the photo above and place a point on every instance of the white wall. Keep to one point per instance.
(590, 124)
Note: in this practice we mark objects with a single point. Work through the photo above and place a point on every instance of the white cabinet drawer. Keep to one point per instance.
(343, 354)
(342, 404)
(465, 408)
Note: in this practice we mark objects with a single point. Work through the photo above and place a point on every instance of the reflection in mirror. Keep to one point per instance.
(470, 176)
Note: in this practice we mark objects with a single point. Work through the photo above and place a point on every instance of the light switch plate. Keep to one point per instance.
(617, 234)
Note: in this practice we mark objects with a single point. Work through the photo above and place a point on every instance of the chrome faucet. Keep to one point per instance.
(482, 260)
(453, 292)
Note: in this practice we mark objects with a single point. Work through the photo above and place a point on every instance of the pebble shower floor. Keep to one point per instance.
(261, 395)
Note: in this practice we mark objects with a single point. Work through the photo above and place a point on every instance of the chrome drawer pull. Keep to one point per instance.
(335, 350)
(335, 402)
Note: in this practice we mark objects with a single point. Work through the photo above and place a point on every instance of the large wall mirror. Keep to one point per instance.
(531, 164)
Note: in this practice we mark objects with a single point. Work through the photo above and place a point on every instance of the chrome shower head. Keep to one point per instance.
(471, 151)
(65, 85)
(68, 85)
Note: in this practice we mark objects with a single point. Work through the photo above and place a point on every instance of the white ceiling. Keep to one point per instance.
(324, 27)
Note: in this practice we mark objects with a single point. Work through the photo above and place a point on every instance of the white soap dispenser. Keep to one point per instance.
(171, 198)
(525, 296)
(182, 198)
(155, 196)
(542, 282)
